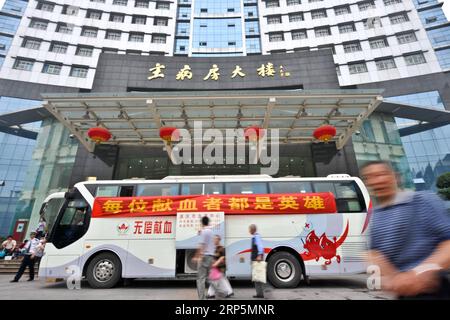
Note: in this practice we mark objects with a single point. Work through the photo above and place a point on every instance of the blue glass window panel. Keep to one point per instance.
(253, 45)
(184, 13)
(15, 6)
(182, 46)
(183, 29)
(439, 36)
(2, 59)
(217, 6)
(436, 14)
(444, 58)
(250, 12)
(8, 24)
(217, 33)
(5, 43)
(252, 28)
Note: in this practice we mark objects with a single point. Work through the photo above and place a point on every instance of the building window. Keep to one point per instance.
(414, 58)
(110, 50)
(58, 47)
(120, 2)
(318, 14)
(297, 16)
(113, 34)
(391, 2)
(116, 17)
(406, 37)
(203, 44)
(159, 21)
(276, 37)
(38, 24)
(79, 71)
(385, 63)
(366, 5)
(162, 5)
(23, 64)
(232, 43)
(322, 32)
(398, 18)
(377, 43)
(134, 52)
(31, 43)
(158, 38)
(273, 19)
(338, 11)
(352, 47)
(293, 2)
(346, 28)
(45, 6)
(139, 20)
(70, 10)
(94, 14)
(357, 67)
(84, 51)
(141, 3)
(272, 4)
(372, 23)
(136, 37)
(299, 34)
(64, 28)
(327, 46)
(52, 68)
(89, 32)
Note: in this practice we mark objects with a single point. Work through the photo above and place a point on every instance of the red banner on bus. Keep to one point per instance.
(297, 203)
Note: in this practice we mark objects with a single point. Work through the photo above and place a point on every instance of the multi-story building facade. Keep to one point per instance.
(400, 46)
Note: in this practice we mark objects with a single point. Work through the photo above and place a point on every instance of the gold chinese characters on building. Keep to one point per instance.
(268, 70)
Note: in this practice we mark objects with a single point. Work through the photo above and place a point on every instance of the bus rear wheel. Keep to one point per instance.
(284, 270)
(104, 271)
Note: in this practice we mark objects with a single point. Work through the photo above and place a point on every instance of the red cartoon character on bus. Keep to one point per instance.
(322, 247)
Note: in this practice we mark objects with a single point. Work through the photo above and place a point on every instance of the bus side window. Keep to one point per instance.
(246, 188)
(290, 187)
(345, 193)
(126, 191)
(213, 188)
(158, 189)
(191, 188)
(107, 191)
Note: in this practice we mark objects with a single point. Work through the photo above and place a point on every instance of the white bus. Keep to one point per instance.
(112, 230)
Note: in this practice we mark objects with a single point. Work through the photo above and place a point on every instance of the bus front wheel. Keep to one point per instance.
(104, 271)
(284, 270)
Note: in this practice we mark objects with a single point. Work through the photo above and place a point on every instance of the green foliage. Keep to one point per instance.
(443, 184)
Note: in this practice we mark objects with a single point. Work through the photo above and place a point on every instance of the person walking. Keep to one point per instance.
(28, 259)
(257, 254)
(409, 236)
(204, 257)
(221, 284)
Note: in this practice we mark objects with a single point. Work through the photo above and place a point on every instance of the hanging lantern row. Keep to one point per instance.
(253, 133)
(324, 133)
(99, 134)
(169, 134)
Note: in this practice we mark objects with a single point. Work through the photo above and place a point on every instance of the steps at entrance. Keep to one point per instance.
(12, 266)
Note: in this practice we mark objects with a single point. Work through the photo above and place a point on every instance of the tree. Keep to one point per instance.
(443, 184)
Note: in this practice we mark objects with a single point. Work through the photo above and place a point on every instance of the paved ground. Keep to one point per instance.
(337, 288)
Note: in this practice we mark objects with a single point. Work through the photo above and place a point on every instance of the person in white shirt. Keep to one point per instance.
(9, 245)
(41, 229)
(29, 258)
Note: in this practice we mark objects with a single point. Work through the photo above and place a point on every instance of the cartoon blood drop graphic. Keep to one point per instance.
(312, 245)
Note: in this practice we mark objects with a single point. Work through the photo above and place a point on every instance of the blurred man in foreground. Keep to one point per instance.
(409, 237)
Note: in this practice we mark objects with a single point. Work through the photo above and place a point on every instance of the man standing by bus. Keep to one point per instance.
(28, 259)
(204, 257)
(409, 237)
(257, 254)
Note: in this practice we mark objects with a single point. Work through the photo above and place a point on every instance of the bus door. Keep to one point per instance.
(65, 242)
(188, 238)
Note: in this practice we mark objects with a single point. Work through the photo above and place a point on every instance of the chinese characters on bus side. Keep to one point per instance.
(214, 73)
(231, 204)
(152, 227)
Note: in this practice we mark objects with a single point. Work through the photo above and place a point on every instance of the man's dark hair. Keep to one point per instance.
(376, 162)
(205, 220)
(10, 236)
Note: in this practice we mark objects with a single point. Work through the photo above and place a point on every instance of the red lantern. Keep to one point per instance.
(99, 134)
(324, 133)
(169, 134)
(253, 133)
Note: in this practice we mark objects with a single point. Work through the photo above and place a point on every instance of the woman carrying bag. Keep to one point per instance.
(219, 283)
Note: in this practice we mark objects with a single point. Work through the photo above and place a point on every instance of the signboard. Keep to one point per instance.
(292, 203)
(189, 226)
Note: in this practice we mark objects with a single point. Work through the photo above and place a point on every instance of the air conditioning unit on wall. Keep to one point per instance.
(189, 265)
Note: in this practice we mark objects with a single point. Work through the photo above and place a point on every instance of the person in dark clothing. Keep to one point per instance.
(28, 259)
(219, 262)
(257, 254)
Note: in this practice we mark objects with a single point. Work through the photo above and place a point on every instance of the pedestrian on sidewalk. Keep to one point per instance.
(222, 284)
(28, 259)
(257, 255)
(204, 257)
(409, 236)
